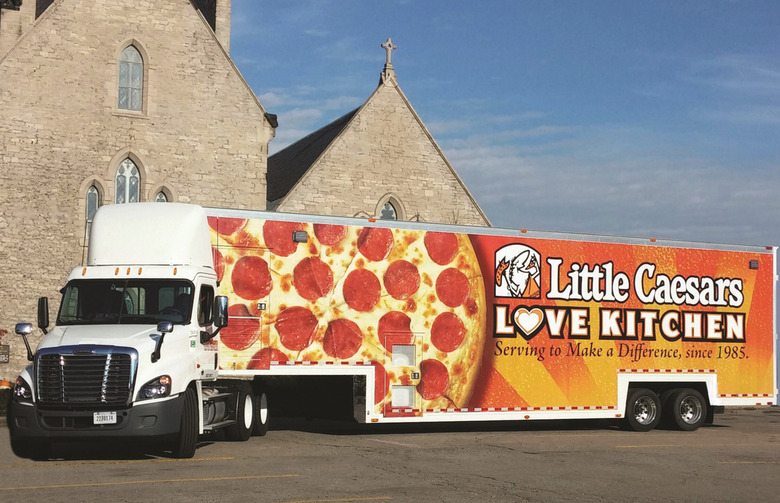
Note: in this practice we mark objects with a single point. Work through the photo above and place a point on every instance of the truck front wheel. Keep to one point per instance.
(687, 408)
(188, 431)
(643, 409)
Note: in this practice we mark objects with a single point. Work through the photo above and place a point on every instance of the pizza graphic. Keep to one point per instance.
(409, 302)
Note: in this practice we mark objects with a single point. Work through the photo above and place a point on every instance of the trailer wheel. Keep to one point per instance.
(245, 415)
(688, 409)
(187, 442)
(643, 409)
(261, 415)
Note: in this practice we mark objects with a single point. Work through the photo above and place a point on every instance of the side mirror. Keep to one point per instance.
(220, 311)
(43, 314)
(25, 329)
(164, 327)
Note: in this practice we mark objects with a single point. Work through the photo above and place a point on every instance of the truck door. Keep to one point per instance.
(207, 358)
(403, 373)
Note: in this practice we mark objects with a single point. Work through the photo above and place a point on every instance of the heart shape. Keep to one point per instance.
(528, 321)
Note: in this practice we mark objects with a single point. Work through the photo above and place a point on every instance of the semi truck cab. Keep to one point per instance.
(132, 354)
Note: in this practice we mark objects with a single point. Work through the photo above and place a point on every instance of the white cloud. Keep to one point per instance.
(592, 187)
(344, 103)
(299, 117)
(272, 99)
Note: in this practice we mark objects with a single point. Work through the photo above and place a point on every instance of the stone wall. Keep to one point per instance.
(202, 136)
(13, 23)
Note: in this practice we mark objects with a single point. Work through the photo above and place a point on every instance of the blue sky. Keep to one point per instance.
(638, 118)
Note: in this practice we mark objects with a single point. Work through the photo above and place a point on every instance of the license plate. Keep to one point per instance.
(104, 418)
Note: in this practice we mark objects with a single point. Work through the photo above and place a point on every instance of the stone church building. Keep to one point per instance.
(119, 101)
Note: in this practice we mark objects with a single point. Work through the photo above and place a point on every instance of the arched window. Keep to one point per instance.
(128, 182)
(388, 212)
(93, 202)
(131, 79)
(161, 197)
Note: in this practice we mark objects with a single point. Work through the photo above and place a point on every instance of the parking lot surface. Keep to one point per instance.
(736, 459)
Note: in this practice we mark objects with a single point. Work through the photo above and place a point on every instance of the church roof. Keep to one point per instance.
(287, 166)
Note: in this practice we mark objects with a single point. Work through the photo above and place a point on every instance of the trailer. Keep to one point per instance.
(208, 309)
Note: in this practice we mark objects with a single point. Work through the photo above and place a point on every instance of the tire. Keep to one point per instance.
(261, 415)
(187, 442)
(687, 409)
(245, 415)
(643, 409)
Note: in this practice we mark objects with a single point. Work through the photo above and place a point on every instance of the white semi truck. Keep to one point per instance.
(183, 317)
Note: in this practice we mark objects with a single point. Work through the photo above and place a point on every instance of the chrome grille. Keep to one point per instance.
(93, 378)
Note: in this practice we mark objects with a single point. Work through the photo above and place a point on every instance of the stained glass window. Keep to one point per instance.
(93, 201)
(128, 182)
(131, 79)
(388, 212)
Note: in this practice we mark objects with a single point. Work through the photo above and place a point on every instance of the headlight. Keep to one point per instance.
(156, 388)
(22, 391)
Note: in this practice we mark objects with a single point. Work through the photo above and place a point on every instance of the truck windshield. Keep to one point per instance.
(135, 301)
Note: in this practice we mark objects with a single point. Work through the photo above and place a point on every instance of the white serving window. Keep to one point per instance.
(403, 396)
(404, 355)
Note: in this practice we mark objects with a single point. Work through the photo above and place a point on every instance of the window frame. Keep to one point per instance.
(131, 79)
(128, 181)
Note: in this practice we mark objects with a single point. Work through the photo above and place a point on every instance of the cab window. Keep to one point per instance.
(205, 305)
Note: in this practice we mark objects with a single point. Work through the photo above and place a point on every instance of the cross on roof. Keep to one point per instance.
(389, 47)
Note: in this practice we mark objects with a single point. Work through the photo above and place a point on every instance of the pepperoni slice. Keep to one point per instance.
(380, 382)
(226, 226)
(375, 243)
(447, 332)
(434, 381)
(361, 290)
(442, 246)
(251, 278)
(296, 326)
(219, 263)
(243, 329)
(452, 287)
(328, 234)
(394, 328)
(342, 338)
(263, 358)
(402, 279)
(312, 278)
(278, 236)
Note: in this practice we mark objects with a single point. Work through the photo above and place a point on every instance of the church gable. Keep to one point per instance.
(383, 154)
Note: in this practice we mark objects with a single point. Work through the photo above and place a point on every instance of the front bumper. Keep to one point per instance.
(157, 420)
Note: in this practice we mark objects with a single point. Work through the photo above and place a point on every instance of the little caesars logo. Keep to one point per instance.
(518, 272)
(589, 286)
